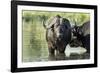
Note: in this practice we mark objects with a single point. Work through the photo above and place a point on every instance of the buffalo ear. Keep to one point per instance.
(66, 22)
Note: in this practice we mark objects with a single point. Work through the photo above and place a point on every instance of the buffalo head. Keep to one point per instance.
(82, 34)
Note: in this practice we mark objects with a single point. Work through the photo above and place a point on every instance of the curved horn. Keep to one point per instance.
(54, 20)
(51, 22)
(44, 23)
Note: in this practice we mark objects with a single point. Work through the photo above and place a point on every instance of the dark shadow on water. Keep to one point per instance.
(73, 56)
(61, 56)
(57, 57)
(51, 58)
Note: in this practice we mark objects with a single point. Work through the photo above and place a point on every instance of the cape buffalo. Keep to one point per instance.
(83, 34)
(58, 34)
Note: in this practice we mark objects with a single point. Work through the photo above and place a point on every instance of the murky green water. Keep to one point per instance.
(34, 43)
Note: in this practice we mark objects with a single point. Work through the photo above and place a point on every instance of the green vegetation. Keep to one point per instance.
(34, 41)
